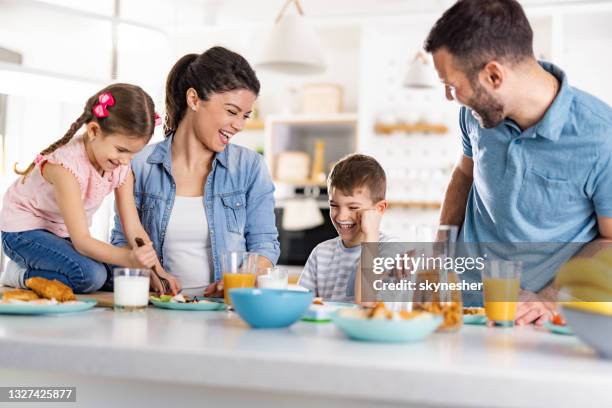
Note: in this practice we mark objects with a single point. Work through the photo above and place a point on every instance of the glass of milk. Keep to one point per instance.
(131, 287)
(273, 278)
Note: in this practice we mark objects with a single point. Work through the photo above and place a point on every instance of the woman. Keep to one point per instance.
(198, 195)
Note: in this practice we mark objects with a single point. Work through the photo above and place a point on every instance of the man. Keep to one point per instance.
(537, 153)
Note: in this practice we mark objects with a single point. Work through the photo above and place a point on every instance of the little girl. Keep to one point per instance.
(46, 214)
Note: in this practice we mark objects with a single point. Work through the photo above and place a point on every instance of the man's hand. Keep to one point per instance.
(534, 308)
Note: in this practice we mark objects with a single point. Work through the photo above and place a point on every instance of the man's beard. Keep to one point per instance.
(485, 108)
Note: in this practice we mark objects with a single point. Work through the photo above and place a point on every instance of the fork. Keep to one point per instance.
(164, 282)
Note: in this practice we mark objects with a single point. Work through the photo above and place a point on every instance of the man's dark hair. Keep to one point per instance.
(358, 170)
(478, 31)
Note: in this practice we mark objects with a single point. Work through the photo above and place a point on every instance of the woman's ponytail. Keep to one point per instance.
(176, 89)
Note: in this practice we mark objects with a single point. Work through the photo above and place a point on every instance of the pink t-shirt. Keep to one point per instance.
(31, 205)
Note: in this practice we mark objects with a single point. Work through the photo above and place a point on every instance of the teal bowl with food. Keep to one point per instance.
(269, 308)
(357, 326)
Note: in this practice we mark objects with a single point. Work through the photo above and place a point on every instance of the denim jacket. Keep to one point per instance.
(238, 201)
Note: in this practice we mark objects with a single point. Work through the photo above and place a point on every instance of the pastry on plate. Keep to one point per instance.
(50, 289)
(19, 294)
(474, 311)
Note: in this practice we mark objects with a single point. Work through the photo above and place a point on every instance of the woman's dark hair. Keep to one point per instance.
(217, 70)
(133, 114)
(477, 31)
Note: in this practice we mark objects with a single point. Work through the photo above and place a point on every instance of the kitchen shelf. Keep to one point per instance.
(314, 119)
(305, 183)
(303, 133)
(409, 204)
(384, 129)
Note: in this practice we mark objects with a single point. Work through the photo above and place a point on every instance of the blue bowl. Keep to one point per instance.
(269, 308)
(389, 331)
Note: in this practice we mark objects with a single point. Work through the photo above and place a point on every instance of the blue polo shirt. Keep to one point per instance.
(544, 184)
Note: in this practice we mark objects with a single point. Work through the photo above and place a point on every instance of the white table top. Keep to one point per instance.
(477, 366)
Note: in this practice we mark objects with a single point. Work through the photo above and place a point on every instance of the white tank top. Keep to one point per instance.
(187, 245)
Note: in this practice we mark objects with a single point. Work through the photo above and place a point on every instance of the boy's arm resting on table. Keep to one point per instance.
(68, 196)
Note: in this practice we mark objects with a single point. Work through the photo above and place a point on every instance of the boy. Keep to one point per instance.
(356, 188)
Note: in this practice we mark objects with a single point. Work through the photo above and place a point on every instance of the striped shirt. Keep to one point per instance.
(330, 269)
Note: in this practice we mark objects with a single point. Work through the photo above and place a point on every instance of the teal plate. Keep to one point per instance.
(388, 331)
(475, 319)
(558, 329)
(37, 309)
(202, 306)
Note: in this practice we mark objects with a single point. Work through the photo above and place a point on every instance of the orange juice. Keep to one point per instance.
(236, 280)
(294, 278)
(500, 297)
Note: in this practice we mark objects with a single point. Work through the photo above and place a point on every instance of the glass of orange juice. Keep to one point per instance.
(502, 282)
(239, 271)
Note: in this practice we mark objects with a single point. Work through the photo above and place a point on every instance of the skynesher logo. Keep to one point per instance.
(425, 286)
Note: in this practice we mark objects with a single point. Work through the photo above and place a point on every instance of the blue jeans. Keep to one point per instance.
(46, 255)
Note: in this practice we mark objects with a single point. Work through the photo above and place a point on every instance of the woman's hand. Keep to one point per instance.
(156, 285)
(215, 289)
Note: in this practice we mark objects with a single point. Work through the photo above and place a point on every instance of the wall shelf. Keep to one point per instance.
(336, 133)
(314, 119)
(385, 129)
(302, 183)
(408, 204)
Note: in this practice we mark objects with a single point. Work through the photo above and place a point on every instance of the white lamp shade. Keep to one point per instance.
(420, 75)
(292, 47)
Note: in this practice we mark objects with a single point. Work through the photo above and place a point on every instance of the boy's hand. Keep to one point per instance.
(369, 220)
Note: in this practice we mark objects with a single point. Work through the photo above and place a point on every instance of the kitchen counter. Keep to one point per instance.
(161, 357)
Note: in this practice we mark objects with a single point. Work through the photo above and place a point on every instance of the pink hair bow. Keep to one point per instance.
(39, 158)
(158, 120)
(100, 110)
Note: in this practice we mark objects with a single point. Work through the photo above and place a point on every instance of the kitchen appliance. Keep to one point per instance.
(296, 246)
